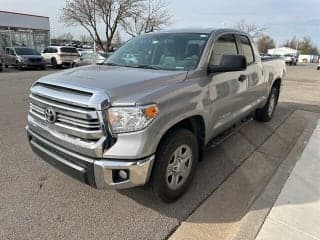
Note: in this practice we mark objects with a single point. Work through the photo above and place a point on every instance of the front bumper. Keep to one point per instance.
(32, 64)
(99, 173)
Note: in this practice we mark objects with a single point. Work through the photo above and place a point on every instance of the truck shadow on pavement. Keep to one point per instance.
(234, 173)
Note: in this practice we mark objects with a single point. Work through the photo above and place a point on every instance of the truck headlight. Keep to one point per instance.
(21, 59)
(131, 119)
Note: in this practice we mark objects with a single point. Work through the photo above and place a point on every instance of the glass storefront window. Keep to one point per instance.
(37, 39)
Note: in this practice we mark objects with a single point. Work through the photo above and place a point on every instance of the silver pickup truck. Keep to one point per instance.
(149, 112)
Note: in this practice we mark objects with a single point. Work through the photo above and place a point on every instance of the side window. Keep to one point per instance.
(12, 52)
(225, 45)
(54, 50)
(7, 51)
(45, 50)
(247, 49)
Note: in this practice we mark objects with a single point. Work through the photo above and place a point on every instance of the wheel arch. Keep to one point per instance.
(195, 124)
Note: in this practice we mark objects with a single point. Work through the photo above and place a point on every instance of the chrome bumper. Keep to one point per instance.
(99, 173)
(139, 173)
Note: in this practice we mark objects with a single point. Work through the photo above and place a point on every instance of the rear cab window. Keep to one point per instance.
(247, 49)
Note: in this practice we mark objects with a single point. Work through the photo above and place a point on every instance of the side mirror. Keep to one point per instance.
(229, 63)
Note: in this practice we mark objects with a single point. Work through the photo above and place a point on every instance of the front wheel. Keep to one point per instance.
(19, 65)
(265, 114)
(175, 165)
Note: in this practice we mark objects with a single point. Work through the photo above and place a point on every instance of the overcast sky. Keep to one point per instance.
(282, 18)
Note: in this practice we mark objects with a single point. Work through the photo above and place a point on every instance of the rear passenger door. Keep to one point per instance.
(226, 89)
(256, 84)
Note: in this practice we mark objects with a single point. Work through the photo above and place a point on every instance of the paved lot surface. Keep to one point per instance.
(296, 216)
(39, 202)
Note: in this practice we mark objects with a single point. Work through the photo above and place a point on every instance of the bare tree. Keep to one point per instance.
(89, 13)
(254, 30)
(265, 43)
(83, 13)
(305, 46)
(67, 37)
(85, 38)
(292, 43)
(116, 41)
(113, 12)
(153, 15)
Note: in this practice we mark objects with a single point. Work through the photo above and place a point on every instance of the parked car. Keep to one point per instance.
(1, 59)
(88, 58)
(291, 59)
(23, 57)
(58, 56)
(150, 111)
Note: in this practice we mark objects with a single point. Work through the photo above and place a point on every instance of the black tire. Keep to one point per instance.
(265, 114)
(318, 68)
(18, 65)
(1, 68)
(174, 141)
(43, 67)
(6, 66)
(73, 65)
(54, 63)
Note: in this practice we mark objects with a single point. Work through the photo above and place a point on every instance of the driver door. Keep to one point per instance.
(227, 90)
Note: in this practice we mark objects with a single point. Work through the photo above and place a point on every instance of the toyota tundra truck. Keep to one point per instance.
(146, 116)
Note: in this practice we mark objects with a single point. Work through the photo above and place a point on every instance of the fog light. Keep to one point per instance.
(123, 174)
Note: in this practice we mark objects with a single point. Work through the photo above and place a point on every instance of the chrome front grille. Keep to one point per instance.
(75, 121)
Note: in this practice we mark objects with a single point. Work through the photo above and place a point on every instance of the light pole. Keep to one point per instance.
(94, 15)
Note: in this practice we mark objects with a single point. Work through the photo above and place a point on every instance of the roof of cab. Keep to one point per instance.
(199, 30)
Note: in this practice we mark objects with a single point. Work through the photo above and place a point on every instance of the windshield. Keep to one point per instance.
(26, 51)
(161, 51)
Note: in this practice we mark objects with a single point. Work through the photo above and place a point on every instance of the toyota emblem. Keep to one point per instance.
(50, 115)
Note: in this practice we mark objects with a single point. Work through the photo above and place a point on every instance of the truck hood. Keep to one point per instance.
(123, 85)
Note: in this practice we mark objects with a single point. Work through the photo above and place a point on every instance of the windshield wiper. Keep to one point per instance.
(135, 66)
(112, 64)
(147, 67)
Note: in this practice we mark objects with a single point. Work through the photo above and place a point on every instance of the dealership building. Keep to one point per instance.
(17, 29)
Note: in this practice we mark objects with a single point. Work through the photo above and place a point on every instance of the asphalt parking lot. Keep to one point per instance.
(39, 202)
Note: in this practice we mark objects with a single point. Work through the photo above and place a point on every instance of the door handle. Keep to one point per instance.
(242, 78)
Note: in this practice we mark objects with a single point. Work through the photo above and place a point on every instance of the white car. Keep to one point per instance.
(291, 59)
(88, 58)
(60, 55)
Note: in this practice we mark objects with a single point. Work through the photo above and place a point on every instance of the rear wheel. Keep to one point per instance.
(175, 165)
(54, 63)
(265, 114)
